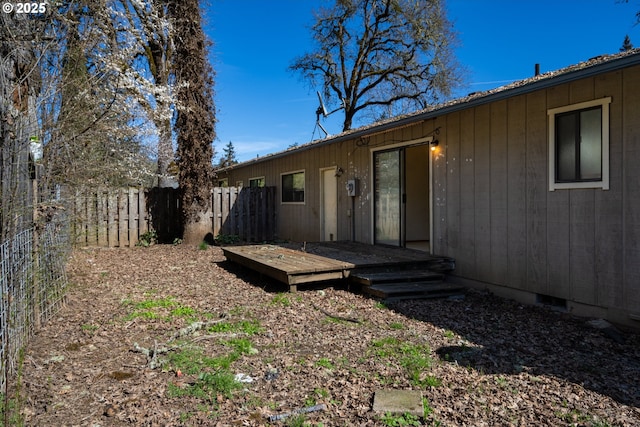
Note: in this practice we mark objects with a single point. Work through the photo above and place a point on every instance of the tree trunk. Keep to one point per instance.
(195, 123)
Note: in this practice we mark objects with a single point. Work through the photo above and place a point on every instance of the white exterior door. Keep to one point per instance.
(329, 221)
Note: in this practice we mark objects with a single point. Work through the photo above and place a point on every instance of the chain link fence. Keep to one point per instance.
(33, 284)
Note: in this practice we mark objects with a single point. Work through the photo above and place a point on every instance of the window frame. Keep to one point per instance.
(264, 181)
(603, 182)
(304, 189)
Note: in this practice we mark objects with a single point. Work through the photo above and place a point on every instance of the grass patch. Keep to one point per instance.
(248, 327)
(159, 308)
(325, 363)
(414, 358)
(89, 328)
(240, 346)
(396, 325)
(281, 299)
(208, 386)
(214, 377)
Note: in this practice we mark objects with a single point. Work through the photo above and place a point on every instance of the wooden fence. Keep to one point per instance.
(118, 218)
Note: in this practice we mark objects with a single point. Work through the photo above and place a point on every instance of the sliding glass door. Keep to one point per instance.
(388, 197)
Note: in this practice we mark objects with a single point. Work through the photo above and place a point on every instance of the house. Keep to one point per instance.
(533, 188)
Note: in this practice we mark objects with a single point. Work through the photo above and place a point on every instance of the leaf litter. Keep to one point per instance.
(491, 361)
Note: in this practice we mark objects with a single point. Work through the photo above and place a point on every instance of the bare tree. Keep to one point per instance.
(195, 122)
(385, 55)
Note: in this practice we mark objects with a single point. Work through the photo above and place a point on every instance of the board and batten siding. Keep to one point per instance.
(492, 208)
(494, 213)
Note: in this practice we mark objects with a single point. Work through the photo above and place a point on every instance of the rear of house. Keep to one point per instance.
(533, 188)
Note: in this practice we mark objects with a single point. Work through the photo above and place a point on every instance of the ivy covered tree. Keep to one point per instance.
(195, 120)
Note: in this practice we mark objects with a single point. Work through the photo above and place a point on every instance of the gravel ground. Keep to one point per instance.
(146, 330)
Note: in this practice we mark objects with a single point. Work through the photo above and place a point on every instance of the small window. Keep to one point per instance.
(256, 182)
(579, 145)
(223, 182)
(293, 187)
(239, 184)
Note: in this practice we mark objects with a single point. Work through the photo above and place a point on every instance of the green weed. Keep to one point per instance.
(87, 327)
(281, 299)
(322, 393)
(396, 325)
(325, 363)
(393, 420)
(240, 346)
(147, 239)
(227, 239)
(10, 407)
(10, 411)
(295, 421)
(203, 246)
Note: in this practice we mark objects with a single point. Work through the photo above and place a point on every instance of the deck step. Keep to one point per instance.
(413, 290)
(370, 278)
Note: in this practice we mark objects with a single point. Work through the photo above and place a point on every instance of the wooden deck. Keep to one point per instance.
(295, 264)
(288, 265)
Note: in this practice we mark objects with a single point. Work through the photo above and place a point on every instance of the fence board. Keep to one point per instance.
(102, 218)
(112, 215)
(123, 235)
(133, 216)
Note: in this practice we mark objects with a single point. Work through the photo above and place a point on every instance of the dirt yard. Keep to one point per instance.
(172, 335)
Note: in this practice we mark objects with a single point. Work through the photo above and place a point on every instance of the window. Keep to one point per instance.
(256, 182)
(223, 182)
(293, 187)
(579, 145)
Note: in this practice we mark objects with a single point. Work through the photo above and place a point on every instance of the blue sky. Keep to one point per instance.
(263, 108)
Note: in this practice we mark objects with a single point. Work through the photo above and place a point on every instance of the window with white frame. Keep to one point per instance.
(579, 145)
(293, 187)
(256, 182)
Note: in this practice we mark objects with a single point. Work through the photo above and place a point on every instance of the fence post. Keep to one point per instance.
(35, 254)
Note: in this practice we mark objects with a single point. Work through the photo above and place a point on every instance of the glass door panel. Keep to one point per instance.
(388, 197)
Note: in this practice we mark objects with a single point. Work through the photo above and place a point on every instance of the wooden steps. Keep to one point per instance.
(404, 284)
